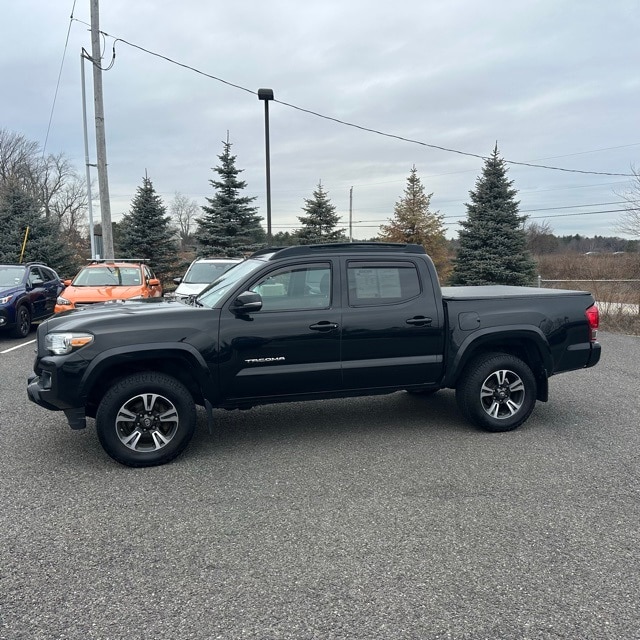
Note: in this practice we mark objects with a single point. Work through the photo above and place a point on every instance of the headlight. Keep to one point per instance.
(63, 301)
(60, 344)
(5, 299)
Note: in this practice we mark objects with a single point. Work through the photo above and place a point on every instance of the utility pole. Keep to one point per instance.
(101, 147)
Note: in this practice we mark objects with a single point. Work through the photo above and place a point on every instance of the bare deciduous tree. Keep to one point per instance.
(629, 221)
(51, 181)
(184, 210)
(19, 159)
(540, 238)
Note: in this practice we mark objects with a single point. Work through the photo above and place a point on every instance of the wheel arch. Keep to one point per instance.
(527, 343)
(181, 362)
(23, 301)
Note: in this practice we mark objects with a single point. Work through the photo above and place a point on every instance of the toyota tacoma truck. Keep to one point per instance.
(307, 323)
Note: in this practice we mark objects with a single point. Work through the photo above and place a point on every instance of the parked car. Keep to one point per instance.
(28, 294)
(307, 323)
(201, 272)
(109, 280)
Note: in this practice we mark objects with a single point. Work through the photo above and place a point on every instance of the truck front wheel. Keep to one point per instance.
(146, 419)
(497, 392)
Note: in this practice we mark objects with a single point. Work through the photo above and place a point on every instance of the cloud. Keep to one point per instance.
(542, 78)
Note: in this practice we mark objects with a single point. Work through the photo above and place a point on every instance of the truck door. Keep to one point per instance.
(392, 326)
(292, 345)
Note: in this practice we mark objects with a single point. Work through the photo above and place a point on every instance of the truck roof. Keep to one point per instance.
(275, 253)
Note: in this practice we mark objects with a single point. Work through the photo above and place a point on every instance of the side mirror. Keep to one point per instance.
(154, 282)
(66, 283)
(177, 280)
(247, 302)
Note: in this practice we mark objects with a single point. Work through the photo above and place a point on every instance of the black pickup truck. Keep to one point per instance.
(305, 323)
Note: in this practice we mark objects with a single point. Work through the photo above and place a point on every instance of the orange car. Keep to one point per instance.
(108, 280)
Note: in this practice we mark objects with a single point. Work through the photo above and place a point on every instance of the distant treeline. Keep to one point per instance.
(546, 243)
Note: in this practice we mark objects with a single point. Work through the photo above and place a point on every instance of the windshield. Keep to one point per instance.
(108, 277)
(11, 276)
(206, 272)
(217, 290)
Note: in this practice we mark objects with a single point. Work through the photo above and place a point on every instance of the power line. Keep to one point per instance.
(368, 224)
(433, 146)
(167, 59)
(585, 213)
(582, 153)
(55, 95)
(351, 124)
(573, 206)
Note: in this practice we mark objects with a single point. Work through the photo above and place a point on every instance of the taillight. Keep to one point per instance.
(593, 318)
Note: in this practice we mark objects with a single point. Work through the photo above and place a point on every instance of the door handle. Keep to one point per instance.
(325, 325)
(419, 321)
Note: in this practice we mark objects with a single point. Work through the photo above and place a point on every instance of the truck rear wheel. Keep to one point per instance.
(146, 419)
(497, 392)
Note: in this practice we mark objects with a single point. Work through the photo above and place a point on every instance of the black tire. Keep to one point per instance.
(23, 322)
(146, 419)
(497, 392)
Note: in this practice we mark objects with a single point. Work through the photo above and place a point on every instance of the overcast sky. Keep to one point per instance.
(553, 82)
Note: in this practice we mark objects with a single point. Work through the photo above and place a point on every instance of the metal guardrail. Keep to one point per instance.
(540, 280)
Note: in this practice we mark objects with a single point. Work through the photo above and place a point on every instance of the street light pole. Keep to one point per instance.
(266, 95)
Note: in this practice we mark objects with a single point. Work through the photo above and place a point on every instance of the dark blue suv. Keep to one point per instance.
(28, 294)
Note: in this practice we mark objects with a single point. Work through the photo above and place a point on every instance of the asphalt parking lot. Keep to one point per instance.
(372, 518)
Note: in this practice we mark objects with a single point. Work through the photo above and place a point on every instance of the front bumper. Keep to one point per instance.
(7, 317)
(38, 390)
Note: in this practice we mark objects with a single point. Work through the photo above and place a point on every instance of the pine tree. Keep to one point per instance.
(145, 232)
(319, 225)
(413, 222)
(45, 243)
(493, 242)
(230, 226)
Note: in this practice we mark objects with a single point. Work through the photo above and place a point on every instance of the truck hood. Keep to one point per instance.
(155, 315)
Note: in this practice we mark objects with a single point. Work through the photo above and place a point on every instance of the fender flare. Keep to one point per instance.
(183, 351)
(475, 342)
(23, 300)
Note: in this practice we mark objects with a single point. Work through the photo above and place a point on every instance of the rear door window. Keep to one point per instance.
(372, 284)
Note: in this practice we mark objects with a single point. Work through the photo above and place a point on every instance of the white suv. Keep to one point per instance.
(200, 273)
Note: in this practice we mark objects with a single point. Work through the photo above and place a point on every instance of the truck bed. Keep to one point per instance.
(499, 292)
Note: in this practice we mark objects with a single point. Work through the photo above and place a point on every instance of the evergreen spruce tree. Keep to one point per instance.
(146, 232)
(413, 222)
(19, 210)
(230, 226)
(492, 246)
(319, 225)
